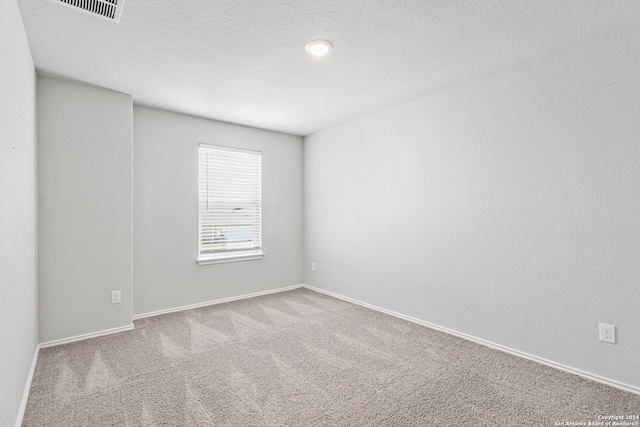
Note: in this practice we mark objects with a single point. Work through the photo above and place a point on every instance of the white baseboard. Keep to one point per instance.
(156, 313)
(87, 336)
(550, 363)
(214, 302)
(27, 388)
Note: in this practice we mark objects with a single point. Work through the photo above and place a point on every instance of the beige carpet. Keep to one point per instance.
(300, 358)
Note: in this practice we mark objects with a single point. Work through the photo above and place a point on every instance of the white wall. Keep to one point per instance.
(85, 208)
(506, 208)
(18, 279)
(165, 228)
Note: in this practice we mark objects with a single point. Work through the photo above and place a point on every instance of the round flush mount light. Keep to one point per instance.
(319, 47)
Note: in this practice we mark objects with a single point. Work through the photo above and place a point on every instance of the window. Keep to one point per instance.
(230, 204)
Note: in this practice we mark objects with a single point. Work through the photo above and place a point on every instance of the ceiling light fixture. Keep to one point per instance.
(319, 47)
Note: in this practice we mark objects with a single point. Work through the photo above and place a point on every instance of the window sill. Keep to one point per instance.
(230, 257)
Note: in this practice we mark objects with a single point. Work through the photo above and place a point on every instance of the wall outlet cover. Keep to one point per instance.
(607, 333)
(116, 297)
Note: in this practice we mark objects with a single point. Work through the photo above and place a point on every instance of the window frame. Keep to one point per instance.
(229, 255)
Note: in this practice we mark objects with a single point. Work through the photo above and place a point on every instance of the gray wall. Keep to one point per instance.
(85, 208)
(18, 288)
(506, 208)
(165, 227)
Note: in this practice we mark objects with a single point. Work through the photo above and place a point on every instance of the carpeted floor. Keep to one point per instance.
(300, 358)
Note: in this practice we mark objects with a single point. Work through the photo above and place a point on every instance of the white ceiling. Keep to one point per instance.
(244, 61)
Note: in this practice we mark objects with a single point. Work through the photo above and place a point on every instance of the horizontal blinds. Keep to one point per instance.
(230, 198)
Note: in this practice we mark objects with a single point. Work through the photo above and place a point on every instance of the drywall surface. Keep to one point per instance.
(18, 278)
(165, 240)
(506, 208)
(85, 208)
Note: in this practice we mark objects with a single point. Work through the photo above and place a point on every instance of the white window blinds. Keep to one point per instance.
(230, 193)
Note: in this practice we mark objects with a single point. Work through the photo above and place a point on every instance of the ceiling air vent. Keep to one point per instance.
(108, 9)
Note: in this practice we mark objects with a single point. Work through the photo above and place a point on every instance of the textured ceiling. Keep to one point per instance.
(244, 61)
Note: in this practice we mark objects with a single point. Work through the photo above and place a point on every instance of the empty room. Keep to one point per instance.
(339, 213)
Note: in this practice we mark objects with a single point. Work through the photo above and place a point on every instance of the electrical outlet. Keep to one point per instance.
(116, 297)
(313, 266)
(607, 333)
